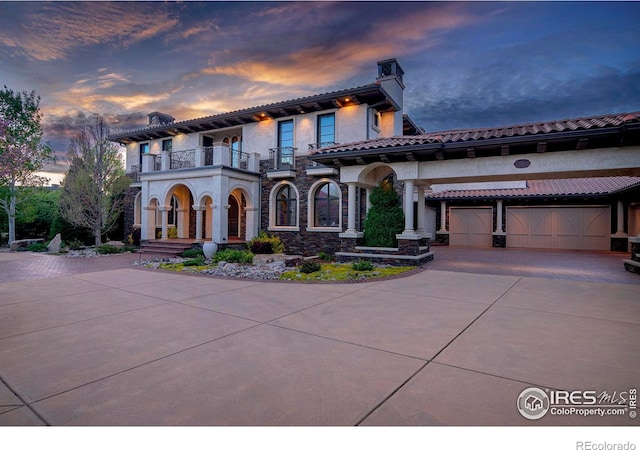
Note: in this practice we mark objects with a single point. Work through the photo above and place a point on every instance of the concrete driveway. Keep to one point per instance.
(124, 346)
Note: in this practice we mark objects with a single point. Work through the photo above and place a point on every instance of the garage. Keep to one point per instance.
(566, 227)
(471, 226)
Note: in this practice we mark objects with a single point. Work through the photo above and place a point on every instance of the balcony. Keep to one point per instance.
(134, 173)
(219, 155)
(315, 169)
(282, 162)
(185, 159)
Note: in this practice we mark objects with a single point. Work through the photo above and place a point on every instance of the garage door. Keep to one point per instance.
(471, 226)
(577, 228)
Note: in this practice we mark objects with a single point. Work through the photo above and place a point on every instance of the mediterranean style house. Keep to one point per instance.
(303, 169)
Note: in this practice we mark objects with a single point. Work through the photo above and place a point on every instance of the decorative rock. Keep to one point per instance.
(55, 244)
(23, 243)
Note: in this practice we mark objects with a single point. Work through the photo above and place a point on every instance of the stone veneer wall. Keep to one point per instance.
(129, 213)
(302, 242)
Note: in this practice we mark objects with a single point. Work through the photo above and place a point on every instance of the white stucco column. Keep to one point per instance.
(165, 221)
(351, 217)
(422, 213)
(620, 222)
(148, 226)
(499, 224)
(252, 220)
(198, 209)
(443, 216)
(408, 208)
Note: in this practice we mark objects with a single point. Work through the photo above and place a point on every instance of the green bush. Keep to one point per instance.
(361, 265)
(322, 256)
(37, 247)
(192, 253)
(233, 256)
(265, 244)
(385, 218)
(310, 267)
(194, 262)
(107, 249)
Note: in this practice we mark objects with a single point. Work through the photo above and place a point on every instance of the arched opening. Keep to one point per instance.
(181, 220)
(237, 215)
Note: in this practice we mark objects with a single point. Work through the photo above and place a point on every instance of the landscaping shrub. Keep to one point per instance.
(192, 253)
(37, 247)
(322, 256)
(108, 249)
(233, 256)
(361, 265)
(310, 267)
(194, 262)
(265, 244)
(385, 218)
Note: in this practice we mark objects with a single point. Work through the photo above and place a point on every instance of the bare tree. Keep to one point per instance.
(94, 186)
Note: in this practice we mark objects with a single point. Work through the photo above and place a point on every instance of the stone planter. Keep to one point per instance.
(209, 249)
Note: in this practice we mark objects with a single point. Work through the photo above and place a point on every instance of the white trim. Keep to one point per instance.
(272, 208)
(311, 206)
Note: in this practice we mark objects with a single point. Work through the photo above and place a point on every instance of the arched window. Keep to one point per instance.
(286, 206)
(326, 206)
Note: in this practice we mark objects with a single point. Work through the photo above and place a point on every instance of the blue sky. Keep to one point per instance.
(467, 65)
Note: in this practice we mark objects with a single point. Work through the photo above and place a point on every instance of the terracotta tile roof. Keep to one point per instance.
(364, 90)
(485, 134)
(581, 123)
(545, 188)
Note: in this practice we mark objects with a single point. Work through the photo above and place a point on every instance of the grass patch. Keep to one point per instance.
(343, 272)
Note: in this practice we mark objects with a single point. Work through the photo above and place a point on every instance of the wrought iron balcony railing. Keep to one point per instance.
(282, 158)
(183, 160)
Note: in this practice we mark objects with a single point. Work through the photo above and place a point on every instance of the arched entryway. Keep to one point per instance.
(237, 216)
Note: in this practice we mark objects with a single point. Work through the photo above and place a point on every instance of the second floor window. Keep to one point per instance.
(285, 133)
(326, 130)
(144, 149)
(167, 145)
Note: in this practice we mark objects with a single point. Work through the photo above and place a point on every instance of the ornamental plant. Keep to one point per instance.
(265, 244)
(385, 218)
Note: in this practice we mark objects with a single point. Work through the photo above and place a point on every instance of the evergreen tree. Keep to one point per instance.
(385, 218)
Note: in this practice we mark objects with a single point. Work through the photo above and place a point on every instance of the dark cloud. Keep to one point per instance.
(467, 64)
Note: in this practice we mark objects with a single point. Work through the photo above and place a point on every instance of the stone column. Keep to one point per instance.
(351, 216)
(499, 236)
(165, 221)
(198, 209)
(422, 213)
(408, 208)
(499, 225)
(443, 216)
(620, 221)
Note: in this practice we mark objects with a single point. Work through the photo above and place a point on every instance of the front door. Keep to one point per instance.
(234, 216)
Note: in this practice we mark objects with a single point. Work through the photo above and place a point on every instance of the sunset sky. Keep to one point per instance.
(467, 64)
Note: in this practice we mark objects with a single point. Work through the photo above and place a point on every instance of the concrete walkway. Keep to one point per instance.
(123, 346)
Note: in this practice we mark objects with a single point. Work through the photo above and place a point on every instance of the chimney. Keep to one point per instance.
(157, 119)
(389, 69)
(390, 79)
